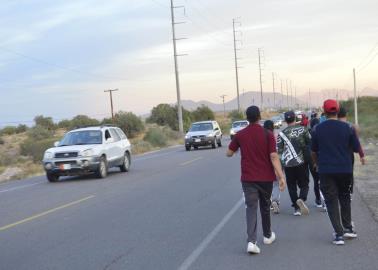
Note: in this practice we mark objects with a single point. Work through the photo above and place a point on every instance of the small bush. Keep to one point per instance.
(2, 141)
(156, 137)
(140, 147)
(131, 124)
(21, 128)
(46, 122)
(36, 148)
(39, 133)
(8, 130)
(235, 115)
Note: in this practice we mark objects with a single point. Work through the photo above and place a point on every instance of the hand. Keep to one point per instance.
(315, 167)
(363, 160)
(282, 183)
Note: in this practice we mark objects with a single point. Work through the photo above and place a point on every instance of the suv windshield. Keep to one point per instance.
(240, 124)
(201, 127)
(82, 137)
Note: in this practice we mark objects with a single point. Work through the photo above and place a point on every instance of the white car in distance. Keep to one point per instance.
(237, 126)
(88, 150)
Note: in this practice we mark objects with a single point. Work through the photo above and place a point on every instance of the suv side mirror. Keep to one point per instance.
(109, 140)
(217, 128)
(56, 144)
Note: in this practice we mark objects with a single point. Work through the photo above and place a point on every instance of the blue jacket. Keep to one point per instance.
(333, 141)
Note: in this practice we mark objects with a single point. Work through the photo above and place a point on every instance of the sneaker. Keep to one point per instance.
(270, 240)
(297, 213)
(339, 240)
(350, 234)
(276, 207)
(318, 203)
(252, 248)
(303, 207)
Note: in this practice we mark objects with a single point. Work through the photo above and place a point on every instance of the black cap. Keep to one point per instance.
(253, 114)
(289, 116)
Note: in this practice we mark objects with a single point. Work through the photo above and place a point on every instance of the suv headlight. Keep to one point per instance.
(232, 132)
(210, 134)
(187, 136)
(87, 153)
(48, 155)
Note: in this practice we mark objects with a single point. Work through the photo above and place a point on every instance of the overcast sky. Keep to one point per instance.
(57, 57)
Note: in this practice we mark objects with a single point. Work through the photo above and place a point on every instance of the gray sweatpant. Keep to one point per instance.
(256, 193)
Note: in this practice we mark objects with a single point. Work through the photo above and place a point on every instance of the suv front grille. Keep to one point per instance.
(199, 137)
(66, 155)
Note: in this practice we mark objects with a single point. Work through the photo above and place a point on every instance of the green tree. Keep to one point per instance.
(46, 122)
(21, 128)
(164, 115)
(129, 123)
(203, 113)
(235, 115)
(8, 130)
(37, 133)
(83, 120)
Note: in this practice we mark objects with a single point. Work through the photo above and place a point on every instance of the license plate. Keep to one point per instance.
(64, 167)
(197, 140)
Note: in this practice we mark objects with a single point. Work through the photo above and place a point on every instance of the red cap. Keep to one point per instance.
(331, 106)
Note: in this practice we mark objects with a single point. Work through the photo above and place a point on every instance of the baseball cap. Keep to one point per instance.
(289, 116)
(331, 106)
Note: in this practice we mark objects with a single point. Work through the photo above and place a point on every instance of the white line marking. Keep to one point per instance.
(20, 187)
(210, 237)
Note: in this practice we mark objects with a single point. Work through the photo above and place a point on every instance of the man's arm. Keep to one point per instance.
(278, 170)
(229, 153)
(314, 157)
(233, 147)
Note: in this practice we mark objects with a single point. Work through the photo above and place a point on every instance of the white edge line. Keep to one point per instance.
(20, 187)
(210, 237)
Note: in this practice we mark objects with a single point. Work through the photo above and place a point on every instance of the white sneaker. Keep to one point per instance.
(253, 248)
(270, 240)
(276, 207)
(297, 213)
(303, 207)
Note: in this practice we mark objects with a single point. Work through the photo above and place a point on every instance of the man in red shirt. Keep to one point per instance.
(260, 167)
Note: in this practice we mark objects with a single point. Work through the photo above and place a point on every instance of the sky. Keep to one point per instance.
(57, 57)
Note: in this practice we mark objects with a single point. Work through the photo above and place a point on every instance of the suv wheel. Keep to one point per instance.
(125, 167)
(213, 144)
(52, 177)
(195, 147)
(187, 148)
(102, 170)
(219, 143)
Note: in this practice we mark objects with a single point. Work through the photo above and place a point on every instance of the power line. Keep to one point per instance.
(367, 56)
(368, 63)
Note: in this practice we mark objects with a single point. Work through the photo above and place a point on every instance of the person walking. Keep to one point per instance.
(293, 143)
(276, 193)
(331, 144)
(260, 167)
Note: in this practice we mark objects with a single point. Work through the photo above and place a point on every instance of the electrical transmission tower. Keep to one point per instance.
(179, 106)
(234, 22)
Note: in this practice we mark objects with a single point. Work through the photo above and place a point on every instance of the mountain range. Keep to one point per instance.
(277, 100)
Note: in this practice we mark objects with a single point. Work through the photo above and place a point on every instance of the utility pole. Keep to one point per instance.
(355, 98)
(291, 94)
(274, 92)
(295, 98)
(236, 63)
(224, 105)
(261, 87)
(309, 99)
(179, 107)
(110, 91)
(287, 95)
(281, 96)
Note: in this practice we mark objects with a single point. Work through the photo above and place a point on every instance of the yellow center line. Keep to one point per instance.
(191, 161)
(45, 213)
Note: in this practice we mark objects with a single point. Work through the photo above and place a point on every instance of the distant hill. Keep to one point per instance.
(276, 101)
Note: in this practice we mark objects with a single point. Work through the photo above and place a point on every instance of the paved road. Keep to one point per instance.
(174, 210)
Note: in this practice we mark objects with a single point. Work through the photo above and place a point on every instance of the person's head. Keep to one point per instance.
(253, 114)
(314, 115)
(331, 108)
(268, 124)
(290, 117)
(342, 114)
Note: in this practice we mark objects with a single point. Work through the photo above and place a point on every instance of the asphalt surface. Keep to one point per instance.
(173, 210)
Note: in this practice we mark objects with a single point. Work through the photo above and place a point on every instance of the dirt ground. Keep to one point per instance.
(366, 177)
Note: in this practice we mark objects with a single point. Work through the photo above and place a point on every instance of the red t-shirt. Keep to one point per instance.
(255, 145)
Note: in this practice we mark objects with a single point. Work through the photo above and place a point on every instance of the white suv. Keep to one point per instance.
(203, 134)
(88, 150)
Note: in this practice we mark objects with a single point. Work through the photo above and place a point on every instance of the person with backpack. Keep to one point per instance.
(332, 141)
(260, 167)
(293, 143)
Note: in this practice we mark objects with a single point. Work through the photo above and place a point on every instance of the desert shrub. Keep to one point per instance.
(21, 128)
(141, 147)
(46, 122)
(83, 120)
(167, 115)
(2, 141)
(171, 134)
(66, 124)
(235, 115)
(39, 133)
(156, 137)
(36, 148)
(8, 130)
(131, 124)
(203, 113)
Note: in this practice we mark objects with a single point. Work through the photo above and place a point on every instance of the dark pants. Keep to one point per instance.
(336, 191)
(256, 193)
(315, 177)
(297, 177)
